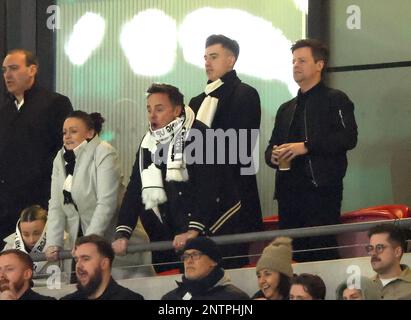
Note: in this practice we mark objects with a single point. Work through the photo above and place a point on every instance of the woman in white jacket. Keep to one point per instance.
(86, 186)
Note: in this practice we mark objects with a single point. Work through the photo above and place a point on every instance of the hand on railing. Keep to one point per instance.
(52, 253)
(120, 246)
(180, 240)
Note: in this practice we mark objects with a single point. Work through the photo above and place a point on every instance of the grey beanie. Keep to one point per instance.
(277, 257)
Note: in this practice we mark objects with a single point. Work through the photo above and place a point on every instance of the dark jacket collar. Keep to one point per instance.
(229, 77)
(201, 286)
(27, 94)
(313, 90)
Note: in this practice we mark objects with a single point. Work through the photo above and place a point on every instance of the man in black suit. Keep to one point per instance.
(31, 121)
(233, 106)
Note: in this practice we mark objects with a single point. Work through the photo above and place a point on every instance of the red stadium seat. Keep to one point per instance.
(169, 272)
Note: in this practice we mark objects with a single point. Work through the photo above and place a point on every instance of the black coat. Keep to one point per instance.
(330, 131)
(215, 286)
(32, 295)
(238, 108)
(29, 141)
(113, 292)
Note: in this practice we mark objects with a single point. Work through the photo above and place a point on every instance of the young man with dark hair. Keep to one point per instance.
(387, 245)
(16, 273)
(312, 134)
(229, 104)
(94, 258)
(31, 122)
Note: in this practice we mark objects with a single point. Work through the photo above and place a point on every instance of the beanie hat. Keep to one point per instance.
(206, 246)
(277, 257)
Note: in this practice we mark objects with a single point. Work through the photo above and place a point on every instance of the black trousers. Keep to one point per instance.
(309, 207)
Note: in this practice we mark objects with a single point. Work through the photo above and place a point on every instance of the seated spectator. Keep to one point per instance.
(30, 236)
(386, 247)
(203, 278)
(16, 272)
(363, 289)
(274, 271)
(94, 257)
(307, 287)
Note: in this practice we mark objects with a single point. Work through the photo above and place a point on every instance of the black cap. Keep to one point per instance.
(206, 246)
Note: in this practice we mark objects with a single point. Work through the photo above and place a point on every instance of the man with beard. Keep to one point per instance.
(16, 272)
(94, 258)
(387, 245)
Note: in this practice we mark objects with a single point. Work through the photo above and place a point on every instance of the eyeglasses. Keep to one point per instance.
(194, 256)
(379, 248)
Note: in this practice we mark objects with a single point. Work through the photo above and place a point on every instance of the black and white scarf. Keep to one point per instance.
(170, 139)
(38, 247)
(70, 162)
(208, 107)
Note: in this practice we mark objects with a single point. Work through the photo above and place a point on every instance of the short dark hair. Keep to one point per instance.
(21, 255)
(175, 96)
(319, 50)
(103, 246)
(93, 120)
(226, 43)
(312, 284)
(396, 235)
(33, 213)
(31, 58)
(284, 285)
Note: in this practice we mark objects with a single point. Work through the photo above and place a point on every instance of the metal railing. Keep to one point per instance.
(257, 236)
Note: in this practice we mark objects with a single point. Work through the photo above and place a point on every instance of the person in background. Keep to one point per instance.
(94, 258)
(386, 248)
(87, 186)
(30, 237)
(228, 104)
(274, 270)
(307, 287)
(16, 272)
(31, 120)
(364, 289)
(204, 278)
(312, 134)
(173, 194)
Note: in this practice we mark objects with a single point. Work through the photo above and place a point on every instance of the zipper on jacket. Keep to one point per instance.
(342, 119)
(306, 139)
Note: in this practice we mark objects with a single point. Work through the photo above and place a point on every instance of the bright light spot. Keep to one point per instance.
(302, 5)
(264, 50)
(87, 35)
(149, 42)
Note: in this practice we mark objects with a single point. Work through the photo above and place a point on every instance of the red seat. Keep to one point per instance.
(169, 272)
(270, 223)
(399, 210)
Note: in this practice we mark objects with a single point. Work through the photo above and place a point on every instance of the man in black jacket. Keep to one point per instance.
(171, 190)
(16, 273)
(203, 278)
(94, 258)
(31, 121)
(231, 105)
(312, 133)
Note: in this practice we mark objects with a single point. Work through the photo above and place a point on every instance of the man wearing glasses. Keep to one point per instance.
(203, 278)
(387, 245)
